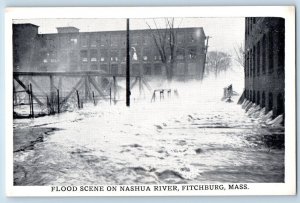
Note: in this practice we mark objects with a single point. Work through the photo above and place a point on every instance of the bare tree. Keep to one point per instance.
(166, 42)
(217, 62)
(239, 52)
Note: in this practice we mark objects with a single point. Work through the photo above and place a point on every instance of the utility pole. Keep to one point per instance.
(127, 65)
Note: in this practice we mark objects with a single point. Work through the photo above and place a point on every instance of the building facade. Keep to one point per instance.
(265, 63)
(72, 50)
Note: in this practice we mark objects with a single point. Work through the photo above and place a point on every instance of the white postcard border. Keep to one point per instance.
(287, 12)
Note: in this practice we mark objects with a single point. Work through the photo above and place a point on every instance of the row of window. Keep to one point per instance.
(260, 58)
(135, 69)
(145, 69)
(118, 55)
(111, 40)
(266, 100)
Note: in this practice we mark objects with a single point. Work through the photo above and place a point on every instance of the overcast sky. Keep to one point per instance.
(226, 33)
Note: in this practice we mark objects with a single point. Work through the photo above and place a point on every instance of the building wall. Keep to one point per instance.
(24, 44)
(264, 63)
(106, 51)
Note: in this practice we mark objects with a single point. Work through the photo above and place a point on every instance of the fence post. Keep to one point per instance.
(31, 100)
(115, 89)
(110, 95)
(58, 105)
(48, 105)
(94, 98)
(78, 99)
(140, 85)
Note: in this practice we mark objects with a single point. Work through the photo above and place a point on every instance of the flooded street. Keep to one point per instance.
(177, 140)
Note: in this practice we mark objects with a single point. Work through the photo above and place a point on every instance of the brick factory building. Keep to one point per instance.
(265, 63)
(105, 51)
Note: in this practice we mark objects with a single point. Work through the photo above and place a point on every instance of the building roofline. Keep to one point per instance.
(19, 24)
(117, 31)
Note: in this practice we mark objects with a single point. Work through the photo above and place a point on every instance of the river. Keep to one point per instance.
(178, 140)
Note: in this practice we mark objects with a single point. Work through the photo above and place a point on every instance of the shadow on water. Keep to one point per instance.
(24, 140)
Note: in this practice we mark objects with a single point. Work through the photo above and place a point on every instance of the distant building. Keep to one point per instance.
(264, 63)
(71, 50)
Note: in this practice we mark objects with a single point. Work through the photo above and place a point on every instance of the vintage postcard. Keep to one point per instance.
(150, 101)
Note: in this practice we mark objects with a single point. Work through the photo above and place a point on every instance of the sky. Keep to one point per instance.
(225, 33)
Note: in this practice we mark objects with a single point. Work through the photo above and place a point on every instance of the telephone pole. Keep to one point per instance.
(127, 65)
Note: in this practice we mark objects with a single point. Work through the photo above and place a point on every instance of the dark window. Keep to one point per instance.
(280, 104)
(258, 98)
(134, 40)
(73, 57)
(191, 37)
(180, 54)
(146, 39)
(114, 55)
(103, 55)
(250, 63)
(254, 60)
(263, 100)
(254, 97)
(281, 44)
(247, 65)
(94, 67)
(94, 54)
(83, 55)
(83, 41)
(264, 50)
(114, 68)
(135, 69)
(93, 40)
(147, 54)
(270, 101)
(192, 52)
(104, 40)
(258, 58)
(147, 69)
(123, 54)
(250, 96)
(271, 53)
(115, 40)
(157, 69)
(180, 38)
(122, 69)
(123, 40)
(104, 68)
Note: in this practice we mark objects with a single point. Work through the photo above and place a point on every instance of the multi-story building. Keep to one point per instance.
(105, 51)
(265, 62)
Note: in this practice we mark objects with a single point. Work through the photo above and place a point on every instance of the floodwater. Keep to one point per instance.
(190, 139)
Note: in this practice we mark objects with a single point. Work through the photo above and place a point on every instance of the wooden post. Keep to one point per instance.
(115, 88)
(94, 98)
(51, 90)
(127, 65)
(58, 107)
(78, 99)
(60, 83)
(140, 85)
(14, 96)
(48, 106)
(86, 88)
(31, 101)
(110, 95)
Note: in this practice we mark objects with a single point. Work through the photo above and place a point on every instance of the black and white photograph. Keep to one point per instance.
(143, 104)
